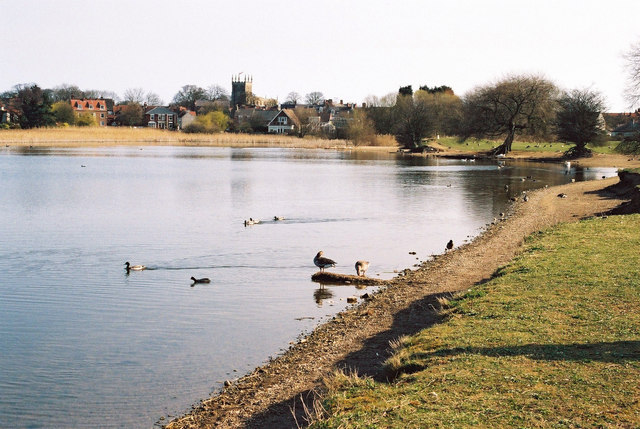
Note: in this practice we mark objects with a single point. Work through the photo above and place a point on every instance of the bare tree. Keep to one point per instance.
(217, 92)
(293, 97)
(65, 92)
(512, 105)
(445, 108)
(579, 120)
(188, 95)
(134, 95)
(632, 65)
(413, 120)
(314, 98)
(153, 99)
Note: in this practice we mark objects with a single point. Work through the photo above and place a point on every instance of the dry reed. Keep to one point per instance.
(107, 136)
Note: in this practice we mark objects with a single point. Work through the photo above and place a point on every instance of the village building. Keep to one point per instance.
(185, 117)
(95, 107)
(285, 122)
(161, 117)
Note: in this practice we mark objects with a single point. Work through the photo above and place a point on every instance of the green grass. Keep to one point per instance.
(552, 341)
(482, 145)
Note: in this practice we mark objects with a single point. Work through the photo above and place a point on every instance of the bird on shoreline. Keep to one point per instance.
(202, 280)
(450, 245)
(130, 267)
(322, 262)
(362, 267)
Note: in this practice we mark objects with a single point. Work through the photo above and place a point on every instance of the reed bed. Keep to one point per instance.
(106, 136)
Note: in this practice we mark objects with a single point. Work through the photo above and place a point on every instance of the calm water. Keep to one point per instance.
(85, 345)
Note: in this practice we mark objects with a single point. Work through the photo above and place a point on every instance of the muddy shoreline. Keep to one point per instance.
(281, 393)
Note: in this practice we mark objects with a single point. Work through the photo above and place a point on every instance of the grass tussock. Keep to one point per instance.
(553, 341)
(87, 136)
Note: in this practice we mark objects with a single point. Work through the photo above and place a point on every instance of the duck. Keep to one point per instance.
(322, 262)
(277, 218)
(450, 245)
(202, 280)
(251, 221)
(130, 267)
(362, 267)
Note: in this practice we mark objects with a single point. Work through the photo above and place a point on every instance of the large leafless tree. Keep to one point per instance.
(515, 104)
(633, 80)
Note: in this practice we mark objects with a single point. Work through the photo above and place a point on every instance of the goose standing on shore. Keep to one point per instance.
(322, 262)
(130, 267)
(362, 267)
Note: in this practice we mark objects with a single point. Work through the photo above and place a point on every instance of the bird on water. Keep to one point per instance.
(322, 262)
(202, 280)
(362, 267)
(130, 267)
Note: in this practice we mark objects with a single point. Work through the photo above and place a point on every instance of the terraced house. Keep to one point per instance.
(95, 107)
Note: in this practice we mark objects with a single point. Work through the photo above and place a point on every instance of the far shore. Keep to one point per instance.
(72, 137)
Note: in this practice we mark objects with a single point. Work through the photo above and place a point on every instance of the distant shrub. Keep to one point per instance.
(194, 127)
(212, 122)
(85, 119)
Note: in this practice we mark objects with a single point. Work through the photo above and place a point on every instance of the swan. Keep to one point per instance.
(129, 267)
(322, 262)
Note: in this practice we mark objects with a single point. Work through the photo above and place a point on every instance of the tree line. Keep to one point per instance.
(517, 105)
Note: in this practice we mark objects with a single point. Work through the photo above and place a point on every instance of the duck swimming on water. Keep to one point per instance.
(130, 267)
(202, 280)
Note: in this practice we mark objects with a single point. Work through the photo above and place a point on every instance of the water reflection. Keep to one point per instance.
(321, 294)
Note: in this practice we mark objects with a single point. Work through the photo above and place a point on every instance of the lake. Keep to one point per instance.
(84, 344)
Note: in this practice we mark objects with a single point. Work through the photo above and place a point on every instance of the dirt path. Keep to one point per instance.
(276, 394)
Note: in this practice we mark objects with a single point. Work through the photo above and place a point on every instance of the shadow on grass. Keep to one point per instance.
(610, 352)
(367, 361)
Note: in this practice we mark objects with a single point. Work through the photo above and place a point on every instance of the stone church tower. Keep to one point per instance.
(241, 90)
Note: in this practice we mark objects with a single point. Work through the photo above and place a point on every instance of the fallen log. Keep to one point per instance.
(339, 279)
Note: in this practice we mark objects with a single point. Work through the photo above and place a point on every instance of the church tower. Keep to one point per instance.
(241, 90)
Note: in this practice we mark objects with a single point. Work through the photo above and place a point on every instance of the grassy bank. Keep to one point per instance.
(552, 341)
(482, 145)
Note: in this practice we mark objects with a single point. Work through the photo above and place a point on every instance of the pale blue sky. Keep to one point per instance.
(345, 49)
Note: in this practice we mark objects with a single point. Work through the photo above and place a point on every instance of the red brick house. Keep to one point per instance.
(97, 107)
(161, 117)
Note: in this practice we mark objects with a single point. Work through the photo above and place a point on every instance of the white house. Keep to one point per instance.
(285, 122)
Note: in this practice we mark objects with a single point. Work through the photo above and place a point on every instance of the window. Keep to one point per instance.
(102, 115)
(161, 117)
(152, 117)
(282, 120)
